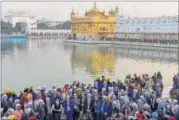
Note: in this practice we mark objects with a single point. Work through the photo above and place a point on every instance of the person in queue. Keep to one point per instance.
(76, 109)
(56, 109)
(106, 108)
(68, 108)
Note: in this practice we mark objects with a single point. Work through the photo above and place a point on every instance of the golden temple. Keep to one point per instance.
(94, 22)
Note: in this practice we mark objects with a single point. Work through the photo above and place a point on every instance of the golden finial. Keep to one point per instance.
(73, 12)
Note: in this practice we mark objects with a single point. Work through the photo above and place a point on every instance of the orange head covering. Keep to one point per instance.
(29, 96)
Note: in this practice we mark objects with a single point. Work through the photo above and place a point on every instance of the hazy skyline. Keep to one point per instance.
(62, 10)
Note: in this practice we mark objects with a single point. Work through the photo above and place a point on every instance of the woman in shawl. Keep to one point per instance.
(56, 109)
(18, 112)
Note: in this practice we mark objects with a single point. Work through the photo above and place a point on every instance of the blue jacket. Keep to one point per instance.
(110, 84)
(120, 86)
(130, 90)
(100, 84)
(65, 105)
(14, 97)
(9, 95)
(33, 95)
(98, 105)
(52, 97)
(107, 108)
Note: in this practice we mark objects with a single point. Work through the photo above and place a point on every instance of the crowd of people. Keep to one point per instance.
(134, 98)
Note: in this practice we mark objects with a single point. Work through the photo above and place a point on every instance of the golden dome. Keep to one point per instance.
(94, 11)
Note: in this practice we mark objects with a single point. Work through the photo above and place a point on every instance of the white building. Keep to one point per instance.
(149, 24)
(21, 16)
(54, 23)
(50, 23)
(163, 27)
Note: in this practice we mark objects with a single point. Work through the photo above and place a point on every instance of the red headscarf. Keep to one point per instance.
(31, 118)
(139, 115)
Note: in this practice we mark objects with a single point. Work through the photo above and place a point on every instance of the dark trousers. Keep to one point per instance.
(76, 115)
(56, 116)
(48, 116)
(97, 116)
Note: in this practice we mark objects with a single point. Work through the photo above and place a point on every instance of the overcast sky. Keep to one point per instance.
(61, 10)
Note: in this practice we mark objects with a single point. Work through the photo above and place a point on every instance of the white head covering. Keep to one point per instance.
(134, 105)
(175, 109)
(126, 99)
(27, 111)
(41, 102)
(17, 106)
(158, 100)
(146, 106)
(103, 89)
(4, 97)
(10, 110)
(4, 118)
(17, 100)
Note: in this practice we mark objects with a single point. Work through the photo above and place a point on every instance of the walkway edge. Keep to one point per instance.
(123, 43)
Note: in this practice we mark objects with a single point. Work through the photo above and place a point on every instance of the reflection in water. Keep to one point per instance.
(52, 62)
(96, 61)
(137, 53)
(11, 48)
(116, 61)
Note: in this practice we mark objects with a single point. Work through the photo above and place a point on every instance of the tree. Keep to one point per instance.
(6, 28)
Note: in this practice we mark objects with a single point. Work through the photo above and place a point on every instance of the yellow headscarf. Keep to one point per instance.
(7, 90)
(119, 80)
(10, 117)
(108, 98)
(13, 91)
(78, 89)
(21, 91)
(106, 79)
(31, 87)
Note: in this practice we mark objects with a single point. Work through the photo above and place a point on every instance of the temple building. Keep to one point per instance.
(94, 24)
